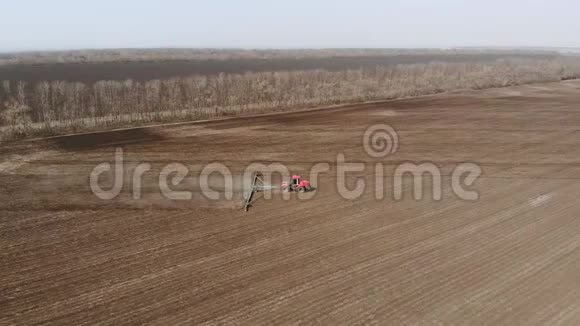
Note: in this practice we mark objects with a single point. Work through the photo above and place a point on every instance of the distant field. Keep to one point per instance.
(148, 70)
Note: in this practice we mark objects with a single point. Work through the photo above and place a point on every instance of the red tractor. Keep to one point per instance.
(296, 185)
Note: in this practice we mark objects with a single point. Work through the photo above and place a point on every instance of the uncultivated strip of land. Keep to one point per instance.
(57, 107)
(89, 73)
(510, 258)
(223, 55)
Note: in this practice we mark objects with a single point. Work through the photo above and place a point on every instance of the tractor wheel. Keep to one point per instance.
(302, 189)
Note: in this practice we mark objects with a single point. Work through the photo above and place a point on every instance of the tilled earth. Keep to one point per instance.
(147, 70)
(510, 257)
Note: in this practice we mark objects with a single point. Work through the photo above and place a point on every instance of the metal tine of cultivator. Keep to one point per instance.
(257, 186)
(252, 191)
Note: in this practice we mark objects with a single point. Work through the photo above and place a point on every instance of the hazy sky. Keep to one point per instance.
(65, 24)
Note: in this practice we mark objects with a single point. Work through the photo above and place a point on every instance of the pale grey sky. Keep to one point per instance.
(67, 24)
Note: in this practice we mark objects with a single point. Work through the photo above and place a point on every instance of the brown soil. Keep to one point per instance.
(512, 257)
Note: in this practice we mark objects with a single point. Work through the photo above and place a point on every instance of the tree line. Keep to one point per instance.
(49, 108)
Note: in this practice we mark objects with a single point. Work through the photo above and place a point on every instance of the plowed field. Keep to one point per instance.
(511, 257)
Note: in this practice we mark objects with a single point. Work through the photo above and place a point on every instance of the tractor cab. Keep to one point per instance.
(296, 180)
(296, 184)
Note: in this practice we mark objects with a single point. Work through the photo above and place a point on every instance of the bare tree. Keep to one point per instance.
(58, 107)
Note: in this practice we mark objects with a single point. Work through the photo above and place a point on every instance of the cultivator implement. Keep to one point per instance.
(258, 185)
